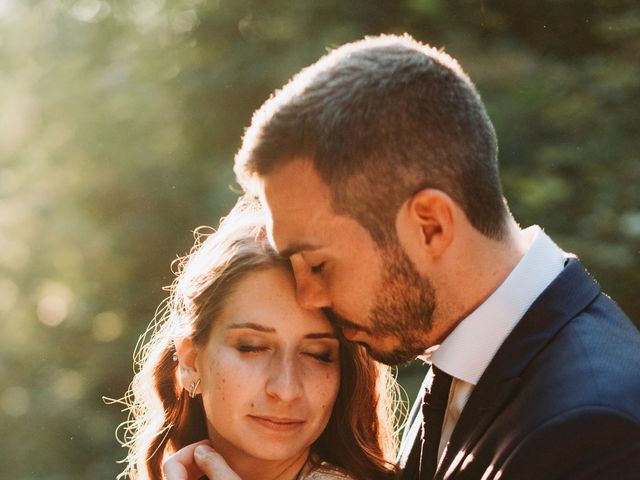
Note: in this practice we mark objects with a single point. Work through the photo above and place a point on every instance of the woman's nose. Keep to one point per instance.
(285, 380)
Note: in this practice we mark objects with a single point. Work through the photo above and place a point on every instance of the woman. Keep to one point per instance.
(234, 360)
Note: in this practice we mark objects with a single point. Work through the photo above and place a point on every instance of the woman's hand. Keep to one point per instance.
(195, 461)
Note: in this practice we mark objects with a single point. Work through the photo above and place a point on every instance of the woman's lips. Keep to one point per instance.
(278, 424)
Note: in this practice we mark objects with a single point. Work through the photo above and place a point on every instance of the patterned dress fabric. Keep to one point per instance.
(326, 471)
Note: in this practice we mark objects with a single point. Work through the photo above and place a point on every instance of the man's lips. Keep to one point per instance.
(279, 424)
(349, 329)
(349, 333)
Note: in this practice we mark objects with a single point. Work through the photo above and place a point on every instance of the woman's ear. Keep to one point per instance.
(425, 224)
(187, 367)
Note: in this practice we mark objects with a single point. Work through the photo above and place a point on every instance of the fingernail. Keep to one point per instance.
(202, 450)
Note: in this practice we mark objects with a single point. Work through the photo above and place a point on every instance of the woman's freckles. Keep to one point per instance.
(238, 383)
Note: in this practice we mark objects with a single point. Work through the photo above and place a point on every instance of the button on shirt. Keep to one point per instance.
(469, 348)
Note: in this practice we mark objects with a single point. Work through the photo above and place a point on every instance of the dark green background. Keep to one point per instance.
(118, 125)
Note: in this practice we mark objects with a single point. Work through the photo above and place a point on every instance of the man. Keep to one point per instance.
(378, 169)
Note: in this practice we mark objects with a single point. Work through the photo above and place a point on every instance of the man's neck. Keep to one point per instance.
(498, 261)
(479, 270)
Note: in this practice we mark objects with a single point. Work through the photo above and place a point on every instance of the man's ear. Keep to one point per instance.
(187, 355)
(425, 224)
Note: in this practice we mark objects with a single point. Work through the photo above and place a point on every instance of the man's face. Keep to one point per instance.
(375, 295)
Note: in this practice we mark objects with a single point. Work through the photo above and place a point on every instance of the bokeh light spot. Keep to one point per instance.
(184, 21)
(53, 304)
(52, 310)
(107, 327)
(14, 401)
(86, 10)
(69, 385)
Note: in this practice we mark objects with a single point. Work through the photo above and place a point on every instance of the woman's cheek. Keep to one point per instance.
(326, 384)
(229, 374)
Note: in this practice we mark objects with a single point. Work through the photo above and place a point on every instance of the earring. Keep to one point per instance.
(174, 357)
(192, 388)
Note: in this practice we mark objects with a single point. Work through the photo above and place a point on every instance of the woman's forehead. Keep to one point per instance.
(265, 301)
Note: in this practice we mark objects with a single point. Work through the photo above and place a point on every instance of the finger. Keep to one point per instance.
(173, 470)
(181, 465)
(213, 465)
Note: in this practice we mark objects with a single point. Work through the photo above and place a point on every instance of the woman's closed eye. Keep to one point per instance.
(324, 357)
(251, 348)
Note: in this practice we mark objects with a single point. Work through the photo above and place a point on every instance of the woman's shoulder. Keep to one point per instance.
(326, 471)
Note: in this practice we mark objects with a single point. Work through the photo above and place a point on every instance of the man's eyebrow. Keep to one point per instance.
(252, 326)
(297, 248)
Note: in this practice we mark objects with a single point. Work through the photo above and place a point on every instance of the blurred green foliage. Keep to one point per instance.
(118, 124)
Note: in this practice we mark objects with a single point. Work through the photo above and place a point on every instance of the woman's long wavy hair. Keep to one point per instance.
(360, 434)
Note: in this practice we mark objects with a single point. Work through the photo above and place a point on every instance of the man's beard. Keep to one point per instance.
(403, 309)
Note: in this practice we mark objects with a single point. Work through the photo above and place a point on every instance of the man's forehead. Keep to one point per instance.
(292, 230)
(296, 184)
(297, 205)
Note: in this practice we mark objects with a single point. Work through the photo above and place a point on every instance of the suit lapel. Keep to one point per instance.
(483, 406)
(571, 292)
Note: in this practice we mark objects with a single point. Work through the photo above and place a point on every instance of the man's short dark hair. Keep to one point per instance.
(381, 119)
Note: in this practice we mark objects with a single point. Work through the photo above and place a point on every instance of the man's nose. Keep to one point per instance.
(285, 381)
(311, 290)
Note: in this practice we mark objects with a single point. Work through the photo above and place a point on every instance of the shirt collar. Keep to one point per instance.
(468, 349)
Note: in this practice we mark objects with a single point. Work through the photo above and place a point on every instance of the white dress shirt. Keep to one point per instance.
(470, 347)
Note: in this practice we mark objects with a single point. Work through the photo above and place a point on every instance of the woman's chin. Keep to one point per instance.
(262, 444)
(273, 451)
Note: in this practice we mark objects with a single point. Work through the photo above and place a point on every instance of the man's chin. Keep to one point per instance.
(392, 358)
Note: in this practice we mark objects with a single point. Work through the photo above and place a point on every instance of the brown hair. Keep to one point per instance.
(359, 436)
(381, 119)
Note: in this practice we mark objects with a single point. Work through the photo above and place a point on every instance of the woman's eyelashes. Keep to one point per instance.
(251, 348)
(322, 356)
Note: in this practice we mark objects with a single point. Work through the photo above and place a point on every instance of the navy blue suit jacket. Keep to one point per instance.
(561, 397)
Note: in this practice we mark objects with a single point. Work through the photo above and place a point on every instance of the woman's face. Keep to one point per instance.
(269, 372)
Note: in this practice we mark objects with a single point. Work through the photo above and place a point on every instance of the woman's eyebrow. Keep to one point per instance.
(262, 328)
(321, 335)
(252, 326)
